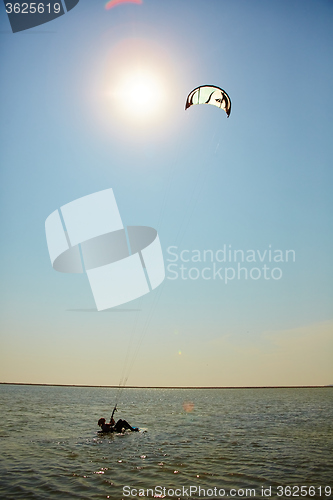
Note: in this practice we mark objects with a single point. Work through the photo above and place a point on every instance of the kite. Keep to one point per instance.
(209, 94)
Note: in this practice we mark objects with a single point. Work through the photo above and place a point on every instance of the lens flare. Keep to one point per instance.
(114, 3)
(188, 406)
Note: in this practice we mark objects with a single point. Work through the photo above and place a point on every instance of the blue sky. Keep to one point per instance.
(262, 177)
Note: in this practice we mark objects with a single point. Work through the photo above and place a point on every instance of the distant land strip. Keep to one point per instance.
(174, 387)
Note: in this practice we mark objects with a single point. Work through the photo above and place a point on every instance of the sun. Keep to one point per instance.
(139, 95)
(136, 85)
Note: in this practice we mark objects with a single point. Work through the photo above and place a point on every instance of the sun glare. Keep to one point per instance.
(136, 87)
(139, 95)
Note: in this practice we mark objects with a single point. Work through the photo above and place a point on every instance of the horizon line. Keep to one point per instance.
(172, 387)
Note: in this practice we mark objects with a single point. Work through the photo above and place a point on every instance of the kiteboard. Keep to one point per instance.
(125, 431)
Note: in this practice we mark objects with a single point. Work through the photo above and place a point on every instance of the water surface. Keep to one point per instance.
(233, 439)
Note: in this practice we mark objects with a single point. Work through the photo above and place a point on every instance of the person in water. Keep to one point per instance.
(115, 427)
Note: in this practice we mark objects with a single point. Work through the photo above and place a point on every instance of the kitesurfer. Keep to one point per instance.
(115, 427)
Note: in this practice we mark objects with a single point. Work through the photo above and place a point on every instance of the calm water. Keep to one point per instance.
(234, 439)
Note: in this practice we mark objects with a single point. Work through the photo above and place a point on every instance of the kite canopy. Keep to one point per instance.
(208, 94)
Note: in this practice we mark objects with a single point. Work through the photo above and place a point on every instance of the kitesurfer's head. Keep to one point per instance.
(101, 421)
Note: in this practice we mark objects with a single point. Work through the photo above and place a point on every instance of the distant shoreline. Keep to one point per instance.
(173, 387)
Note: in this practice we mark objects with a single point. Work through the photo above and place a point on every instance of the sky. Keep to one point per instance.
(72, 123)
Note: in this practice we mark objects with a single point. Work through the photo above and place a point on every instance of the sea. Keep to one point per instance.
(193, 443)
